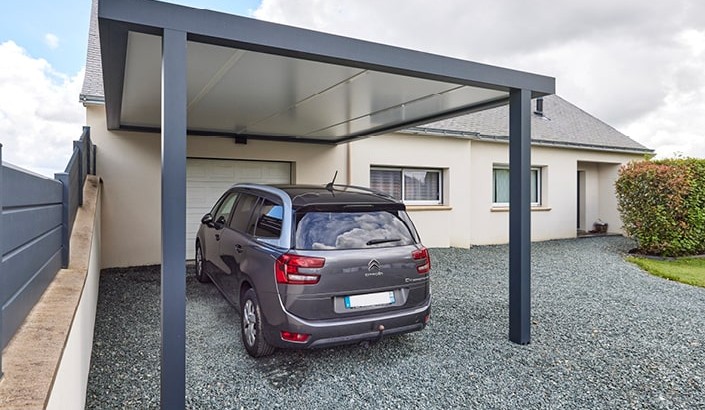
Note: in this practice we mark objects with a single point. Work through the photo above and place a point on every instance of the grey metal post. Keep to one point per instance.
(173, 358)
(2, 276)
(93, 164)
(78, 145)
(65, 179)
(520, 216)
(89, 151)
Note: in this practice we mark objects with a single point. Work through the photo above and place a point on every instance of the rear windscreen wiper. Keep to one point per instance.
(382, 240)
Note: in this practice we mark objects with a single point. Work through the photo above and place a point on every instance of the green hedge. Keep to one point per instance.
(662, 204)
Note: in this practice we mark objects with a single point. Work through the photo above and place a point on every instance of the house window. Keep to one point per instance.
(500, 186)
(414, 186)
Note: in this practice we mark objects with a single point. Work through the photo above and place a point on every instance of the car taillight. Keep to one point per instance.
(287, 270)
(422, 256)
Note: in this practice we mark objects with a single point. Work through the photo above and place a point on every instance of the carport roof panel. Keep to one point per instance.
(258, 79)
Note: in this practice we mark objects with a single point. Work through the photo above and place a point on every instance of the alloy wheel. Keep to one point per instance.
(249, 322)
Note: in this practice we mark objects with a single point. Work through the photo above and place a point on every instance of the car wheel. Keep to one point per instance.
(201, 275)
(253, 326)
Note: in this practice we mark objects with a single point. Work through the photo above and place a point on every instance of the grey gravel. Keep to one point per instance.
(605, 335)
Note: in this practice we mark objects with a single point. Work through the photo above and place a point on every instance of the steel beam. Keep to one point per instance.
(520, 216)
(173, 275)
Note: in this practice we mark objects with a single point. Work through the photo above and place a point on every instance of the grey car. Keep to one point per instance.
(315, 266)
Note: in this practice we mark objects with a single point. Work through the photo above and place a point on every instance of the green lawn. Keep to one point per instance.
(686, 270)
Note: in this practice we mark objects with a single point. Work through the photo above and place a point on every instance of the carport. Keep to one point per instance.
(178, 71)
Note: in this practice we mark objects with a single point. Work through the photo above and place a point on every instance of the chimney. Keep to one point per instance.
(539, 106)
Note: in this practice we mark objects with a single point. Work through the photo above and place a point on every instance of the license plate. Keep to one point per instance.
(369, 299)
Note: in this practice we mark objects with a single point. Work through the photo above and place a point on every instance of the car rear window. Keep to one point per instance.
(351, 230)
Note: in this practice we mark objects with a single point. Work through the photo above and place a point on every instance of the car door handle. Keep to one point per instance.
(217, 237)
(238, 248)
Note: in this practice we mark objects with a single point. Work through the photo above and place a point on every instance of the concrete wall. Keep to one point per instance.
(130, 165)
(71, 381)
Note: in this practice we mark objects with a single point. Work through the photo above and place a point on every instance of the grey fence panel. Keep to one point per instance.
(35, 227)
(22, 225)
(30, 242)
(25, 189)
(23, 264)
(28, 273)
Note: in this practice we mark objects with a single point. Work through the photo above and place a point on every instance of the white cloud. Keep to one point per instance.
(51, 40)
(639, 66)
(40, 114)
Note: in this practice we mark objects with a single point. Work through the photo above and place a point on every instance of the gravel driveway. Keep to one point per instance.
(604, 335)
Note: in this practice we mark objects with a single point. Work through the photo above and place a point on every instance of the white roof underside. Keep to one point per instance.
(250, 93)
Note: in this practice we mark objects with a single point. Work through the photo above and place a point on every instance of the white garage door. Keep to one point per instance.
(207, 179)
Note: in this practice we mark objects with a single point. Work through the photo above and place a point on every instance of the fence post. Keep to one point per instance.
(78, 145)
(2, 275)
(88, 151)
(65, 180)
(94, 170)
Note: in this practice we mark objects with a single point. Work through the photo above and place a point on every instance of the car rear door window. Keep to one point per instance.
(243, 211)
(351, 230)
(269, 220)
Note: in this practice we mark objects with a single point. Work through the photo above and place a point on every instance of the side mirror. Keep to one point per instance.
(207, 219)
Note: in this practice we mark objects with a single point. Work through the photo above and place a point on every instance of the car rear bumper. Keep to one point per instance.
(326, 333)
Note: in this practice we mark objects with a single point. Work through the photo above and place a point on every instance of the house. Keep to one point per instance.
(463, 199)
(453, 174)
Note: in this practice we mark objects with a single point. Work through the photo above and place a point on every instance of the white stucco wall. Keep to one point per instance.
(607, 204)
(130, 165)
(71, 379)
(468, 216)
(556, 217)
(439, 226)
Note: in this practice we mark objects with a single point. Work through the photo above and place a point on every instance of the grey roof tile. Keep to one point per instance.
(562, 123)
(92, 90)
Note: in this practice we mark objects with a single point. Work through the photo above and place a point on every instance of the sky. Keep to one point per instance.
(637, 65)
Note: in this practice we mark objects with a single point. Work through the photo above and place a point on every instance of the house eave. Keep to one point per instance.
(534, 142)
(87, 99)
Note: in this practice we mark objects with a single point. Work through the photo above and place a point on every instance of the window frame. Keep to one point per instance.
(402, 171)
(539, 185)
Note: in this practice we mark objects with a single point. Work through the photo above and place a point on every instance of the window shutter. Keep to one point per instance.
(387, 181)
(421, 185)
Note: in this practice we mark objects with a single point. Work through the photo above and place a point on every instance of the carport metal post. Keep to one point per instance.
(173, 278)
(520, 216)
(2, 276)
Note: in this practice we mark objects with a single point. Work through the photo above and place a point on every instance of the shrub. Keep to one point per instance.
(662, 204)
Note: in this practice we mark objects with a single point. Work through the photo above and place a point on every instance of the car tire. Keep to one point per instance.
(252, 326)
(201, 275)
